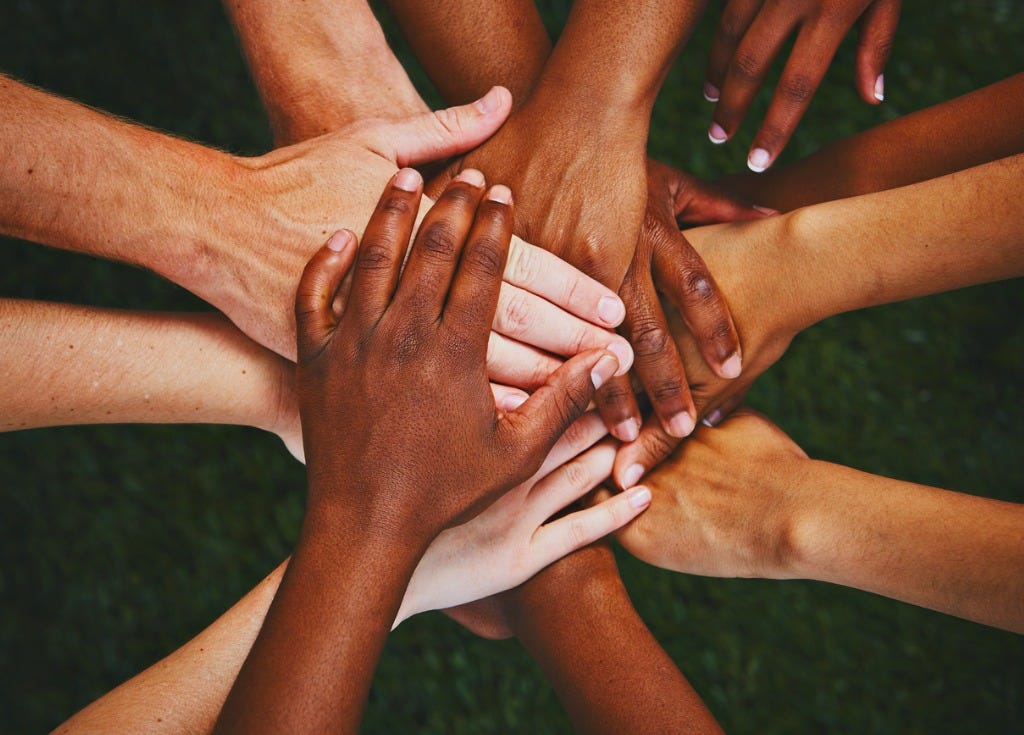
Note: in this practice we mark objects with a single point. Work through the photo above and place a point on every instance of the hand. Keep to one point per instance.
(674, 197)
(752, 32)
(512, 539)
(718, 509)
(402, 366)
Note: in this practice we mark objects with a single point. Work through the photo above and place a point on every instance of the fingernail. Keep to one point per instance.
(880, 88)
(604, 369)
(499, 193)
(710, 92)
(766, 210)
(471, 176)
(632, 475)
(488, 103)
(713, 419)
(732, 367)
(512, 402)
(408, 179)
(638, 497)
(340, 240)
(611, 310)
(717, 134)
(623, 353)
(627, 430)
(759, 160)
(681, 425)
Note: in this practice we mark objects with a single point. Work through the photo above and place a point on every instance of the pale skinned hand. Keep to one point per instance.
(665, 262)
(715, 511)
(751, 33)
(511, 540)
(396, 377)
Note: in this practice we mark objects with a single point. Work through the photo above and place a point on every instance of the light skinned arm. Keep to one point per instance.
(785, 273)
(742, 500)
(967, 131)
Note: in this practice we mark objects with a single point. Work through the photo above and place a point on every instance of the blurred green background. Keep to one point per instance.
(119, 543)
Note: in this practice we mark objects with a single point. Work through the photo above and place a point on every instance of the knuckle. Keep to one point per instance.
(665, 391)
(658, 445)
(395, 204)
(374, 254)
(449, 120)
(574, 402)
(649, 338)
(746, 68)
(576, 475)
(460, 194)
(720, 331)
(439, 240)
(487, 256)
(578, 533)
(616, 394)
(525, 266)
(516, 316)
(796, 88)
(698, 288)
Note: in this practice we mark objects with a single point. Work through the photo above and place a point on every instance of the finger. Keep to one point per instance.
(658, 365)
(715, 417)
(619, 409)
(507, 398)
(636, 459)
(477, 282)
(536, 270)
(315, 317)
(806, 67)
(874, 45)
(513, 363)
(580, 436)
(576, 530)
(529, 319)
(704, 203)
(437, 246)
(534, 427)
(570, 481)
(684, 278)
(732, 26)
(747, 69)
(444, 133)
(382, 250)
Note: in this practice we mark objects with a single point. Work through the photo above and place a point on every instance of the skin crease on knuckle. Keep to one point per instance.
(438, 241)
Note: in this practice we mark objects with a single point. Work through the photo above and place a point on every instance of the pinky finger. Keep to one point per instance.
(576, 530)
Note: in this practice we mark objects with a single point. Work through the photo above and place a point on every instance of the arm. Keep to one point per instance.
(79, 365)
(742, 500)
(788, 272)
(322, 64)
(984, 124)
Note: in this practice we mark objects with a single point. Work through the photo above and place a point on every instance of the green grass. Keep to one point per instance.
(119, 543)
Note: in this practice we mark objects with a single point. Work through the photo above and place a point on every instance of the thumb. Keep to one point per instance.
(445, 133)
(704, 203)
(547, 414)
(314, 297)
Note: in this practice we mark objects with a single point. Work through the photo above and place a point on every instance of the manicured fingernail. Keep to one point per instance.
(880, 88)
(680, 425)
(604, 369)
(732, 367)
(623, 353)
(512, 402)
(717, 134)
(500, 193)
(340, 240)
(759, 160)
(489, 102)
(611, 310)
(408, 179)
(471, 176)
(638, 497)
(632, 475)
(766, 210)
(627, 430)
(710, 92)
(713, 419)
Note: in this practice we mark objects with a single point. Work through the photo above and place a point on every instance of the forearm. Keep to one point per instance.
(968, 131)
(320, 65)
(82, 365)
(311, 666)
(466, 48)
(608, 670)
(947, 551)
(183, 693)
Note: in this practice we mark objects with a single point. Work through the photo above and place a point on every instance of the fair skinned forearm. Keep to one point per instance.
(81, 365)
(320, 65)
(955, 553)
(984, 124)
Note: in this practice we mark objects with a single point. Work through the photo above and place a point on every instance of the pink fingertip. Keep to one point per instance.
(611, 310)
(340, 240)
(638, 497)
(717, 134)
(732, 367)
(632, 475)
(408, 179)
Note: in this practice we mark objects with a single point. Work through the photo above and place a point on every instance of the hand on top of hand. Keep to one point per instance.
(751, 33)
(399, 363)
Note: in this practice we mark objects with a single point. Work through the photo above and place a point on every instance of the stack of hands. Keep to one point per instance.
(481, 332)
